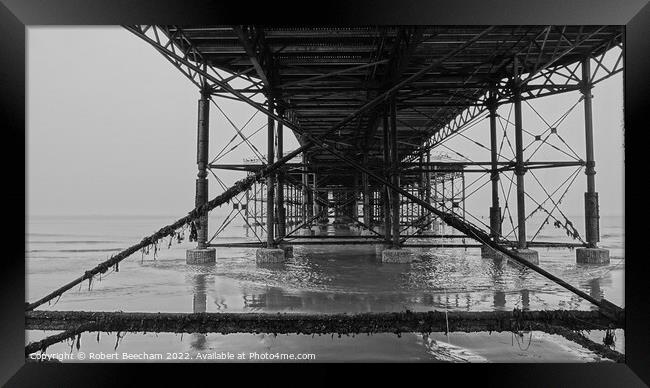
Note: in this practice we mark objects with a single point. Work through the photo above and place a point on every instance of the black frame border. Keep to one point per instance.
(16, 15)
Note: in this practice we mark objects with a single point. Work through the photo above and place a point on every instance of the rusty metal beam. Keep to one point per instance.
(305, 323)
(251, 51)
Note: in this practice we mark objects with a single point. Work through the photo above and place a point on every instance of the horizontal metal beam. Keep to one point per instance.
(432, 165)
(378, 240)
(304, 323)
(374, 240)
(344, 237)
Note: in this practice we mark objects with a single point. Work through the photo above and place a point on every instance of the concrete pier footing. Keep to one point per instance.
(269, 255)
(592, 256)
(201, 256)
(529, 255)
(400, 256)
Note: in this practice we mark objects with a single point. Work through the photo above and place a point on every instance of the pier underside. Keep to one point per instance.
(371, 109)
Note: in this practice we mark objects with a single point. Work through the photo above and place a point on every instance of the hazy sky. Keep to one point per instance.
(111, 129)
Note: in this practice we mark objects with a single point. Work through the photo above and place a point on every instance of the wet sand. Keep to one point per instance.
(325, 279)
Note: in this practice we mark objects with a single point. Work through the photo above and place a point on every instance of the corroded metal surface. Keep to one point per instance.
(419, 322)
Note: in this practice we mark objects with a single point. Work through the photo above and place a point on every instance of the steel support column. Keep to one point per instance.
(355, 198)
(367, 216)
(394, 157)
(305, 191)
(310, 197)
(387, 167)
(420, 183)
(519, 169)
(427, 186)
(282, 213)
(495, 210)
(202, 164)
(371, 206)
(247, 200)
(592, 232)
(270, 181)
(462, 178)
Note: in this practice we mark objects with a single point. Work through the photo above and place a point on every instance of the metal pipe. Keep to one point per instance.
(308, 323)
(495, 210)
(282, 213)
(255, 214)
(519, 170)
(387, 166)
(428, 184)
(201, 196)
(270, 184)
(592, 232)
(305, 183)
(463, 195)
(366, 193)
(394, 173)
(246, 213)
(310, 196)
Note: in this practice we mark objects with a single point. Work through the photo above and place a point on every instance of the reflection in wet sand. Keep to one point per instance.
(594, 288)
(199, 305)
(525, 300)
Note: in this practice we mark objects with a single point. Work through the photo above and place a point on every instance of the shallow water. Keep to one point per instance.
(327, 279)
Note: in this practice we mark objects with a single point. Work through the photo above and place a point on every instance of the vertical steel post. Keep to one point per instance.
(395, 172)
(246, 215)
(366, 192)
(282, 213)
(463, 195)
(387, 167)
(427, 186)
(256, 220)
(371, 206)
(592, 227)
(305, 186)
(263, 200)
(453, 192)
(519, 169)
(495, 210)
(202, 164)
(310, 196)
(444, 191)
(289, 204)
(316, 197)
(356, 194)
(417, 210)
(270, 181)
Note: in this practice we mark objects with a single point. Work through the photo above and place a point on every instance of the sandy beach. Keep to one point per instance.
(321, 279)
